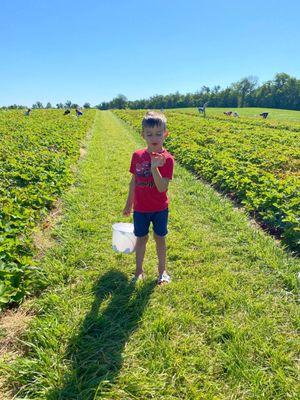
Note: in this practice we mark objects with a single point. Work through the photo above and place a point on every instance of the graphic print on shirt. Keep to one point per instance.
(147, 198)
(143, 169)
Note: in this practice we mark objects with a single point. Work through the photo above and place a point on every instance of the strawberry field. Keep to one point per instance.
(226, 327)
(36, 155)
(255, 162)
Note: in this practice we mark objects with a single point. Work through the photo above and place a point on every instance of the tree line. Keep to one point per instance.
(39, 105)
(281, 92)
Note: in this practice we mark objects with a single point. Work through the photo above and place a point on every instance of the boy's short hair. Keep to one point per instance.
(154, 118)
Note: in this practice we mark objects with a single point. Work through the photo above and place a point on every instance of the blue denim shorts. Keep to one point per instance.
(159, 219)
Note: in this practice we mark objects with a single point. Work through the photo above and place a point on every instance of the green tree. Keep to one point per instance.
(119, 102)
(244, 89)
(38, 104)
(68, 104)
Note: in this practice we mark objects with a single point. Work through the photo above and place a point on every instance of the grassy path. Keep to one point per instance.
(224, 329)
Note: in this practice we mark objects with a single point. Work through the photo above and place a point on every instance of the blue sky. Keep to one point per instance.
(94, 50)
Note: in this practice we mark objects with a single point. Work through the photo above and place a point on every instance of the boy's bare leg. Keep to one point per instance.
(140, 249)
(161, 250)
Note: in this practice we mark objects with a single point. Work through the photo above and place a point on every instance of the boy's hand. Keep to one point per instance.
(157, 160)
(127, 211)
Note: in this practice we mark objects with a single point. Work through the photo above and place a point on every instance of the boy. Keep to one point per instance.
(152, 169)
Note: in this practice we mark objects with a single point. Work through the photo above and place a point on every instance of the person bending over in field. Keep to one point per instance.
(27, 112)
(78, 112)
(152, 170)
(228, 113)
(264, 115)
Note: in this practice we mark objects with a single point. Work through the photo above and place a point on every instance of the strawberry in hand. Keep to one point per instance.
(157, 160)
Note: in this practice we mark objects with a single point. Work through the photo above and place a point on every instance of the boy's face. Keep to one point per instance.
(154, 137)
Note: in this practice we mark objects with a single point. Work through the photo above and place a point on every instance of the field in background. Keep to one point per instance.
(249, 112)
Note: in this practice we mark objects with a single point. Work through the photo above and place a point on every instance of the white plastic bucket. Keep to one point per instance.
(123, 239)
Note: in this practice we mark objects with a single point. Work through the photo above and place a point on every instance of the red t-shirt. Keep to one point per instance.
(146, 196)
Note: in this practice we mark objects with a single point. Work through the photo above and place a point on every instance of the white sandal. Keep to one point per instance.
(138, 278)
(164, 278)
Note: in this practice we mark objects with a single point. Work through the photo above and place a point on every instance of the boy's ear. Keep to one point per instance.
(166, 133)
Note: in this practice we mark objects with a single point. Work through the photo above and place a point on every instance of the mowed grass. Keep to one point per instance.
(275, 114)
(225, 328)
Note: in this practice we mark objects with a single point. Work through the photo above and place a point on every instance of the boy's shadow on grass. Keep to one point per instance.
(96, 352)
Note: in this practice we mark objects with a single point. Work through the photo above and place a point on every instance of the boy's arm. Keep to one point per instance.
(129, 202)
(131, 191)
(160, 182)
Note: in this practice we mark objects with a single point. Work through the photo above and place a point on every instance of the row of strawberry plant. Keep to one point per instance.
(37, 153)
(258, 165)
(243, 120)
